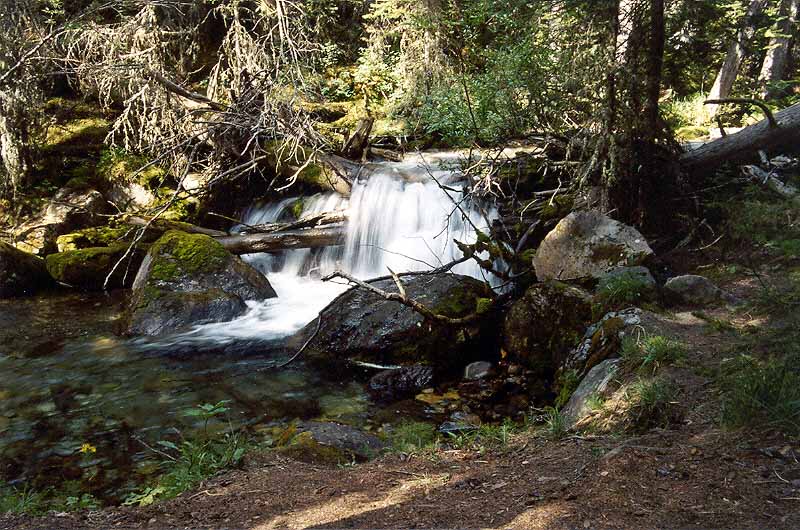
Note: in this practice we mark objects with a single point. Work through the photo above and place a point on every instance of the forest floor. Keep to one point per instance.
(693, 474)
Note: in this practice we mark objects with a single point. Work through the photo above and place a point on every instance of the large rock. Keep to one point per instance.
(543, 325)
(362, 326)
(697, 290)
(20, 273)
(587, 245)
(596, 384)
(88, 268)
(188, 279)
(72, 208)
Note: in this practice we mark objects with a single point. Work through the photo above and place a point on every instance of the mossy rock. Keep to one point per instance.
(541, 327)
(188, 279)
(21, 273)
(88, 268)
(328, 443)
(101, 236)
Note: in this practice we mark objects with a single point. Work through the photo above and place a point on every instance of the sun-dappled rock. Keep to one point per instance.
(477, 370)
(697, 290)
(542, 326)
(587, 245)
(328, 443)
(21, 273)
(187, 279)
(601, 340)
(70, 209)
(362, 326)
(595, 384)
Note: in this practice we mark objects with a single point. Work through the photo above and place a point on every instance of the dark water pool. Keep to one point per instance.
(67, 380)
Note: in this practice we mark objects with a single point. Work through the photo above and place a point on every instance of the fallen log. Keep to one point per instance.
(309, 238)
(782, 131)
(310, 221)
(358, 142)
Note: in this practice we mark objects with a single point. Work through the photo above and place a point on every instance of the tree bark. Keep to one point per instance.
(733, 59)
(358, 142)
(743, 147)
(776, 61)
(309, 238)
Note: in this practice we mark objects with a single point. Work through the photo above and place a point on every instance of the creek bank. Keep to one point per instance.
(189, 279)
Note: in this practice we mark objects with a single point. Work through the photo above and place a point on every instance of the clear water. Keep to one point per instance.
(66, 379)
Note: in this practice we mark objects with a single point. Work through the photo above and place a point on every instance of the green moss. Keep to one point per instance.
(559, 207)
(102, 236)
(76, 135)
(118, 165)
(178, 253)
(305, 448)
(566, 384)
(484, 305)
(297, 208)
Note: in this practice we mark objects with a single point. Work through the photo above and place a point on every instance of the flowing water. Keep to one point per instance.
(66, 379)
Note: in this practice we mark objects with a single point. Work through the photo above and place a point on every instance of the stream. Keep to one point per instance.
(67, 380)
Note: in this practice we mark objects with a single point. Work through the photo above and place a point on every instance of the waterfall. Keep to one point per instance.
(404, 216)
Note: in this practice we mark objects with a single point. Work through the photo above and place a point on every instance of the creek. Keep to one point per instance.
(67, 380)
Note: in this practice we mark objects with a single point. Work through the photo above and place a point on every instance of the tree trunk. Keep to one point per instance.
(776, 61)
(632, 124)
(358, 142)
(310, 238)
(743, 146)
(14, 144)
(733, 59)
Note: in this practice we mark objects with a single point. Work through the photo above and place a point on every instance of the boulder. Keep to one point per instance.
(596, 383)
(400, 383)
(697, 291)
(328, 443)
(541, 327)
(587, 245)
(21, 273)
(188, 279)
(71, 208)
(88, 268)
(362, 326)
(603, 339)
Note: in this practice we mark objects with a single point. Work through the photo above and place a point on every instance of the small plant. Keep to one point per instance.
(191, 461)
(595, 401)
(412, 436)
(651, 402)
(649, 354)
(555, 423)
(25, 501)
(759, 393)
(85, 501)
(623, 290)
(487, 436)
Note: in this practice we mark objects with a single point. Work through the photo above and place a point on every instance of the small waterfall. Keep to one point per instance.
(405, 216)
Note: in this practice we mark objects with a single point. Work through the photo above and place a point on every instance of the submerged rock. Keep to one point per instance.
(21, 273)
(362, 326)
(401, 383)
(70, 209)
(328, 443)
(587, 245)
(188, 279)
(697, 290)
(87, 268)
(543, 325)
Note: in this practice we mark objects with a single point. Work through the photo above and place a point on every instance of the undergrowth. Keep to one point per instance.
(762, 393)
(651, 353)
(651, 402)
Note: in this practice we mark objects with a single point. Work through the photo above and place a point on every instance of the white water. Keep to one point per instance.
(399, 218)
